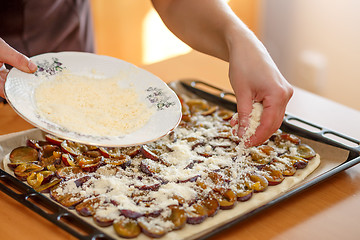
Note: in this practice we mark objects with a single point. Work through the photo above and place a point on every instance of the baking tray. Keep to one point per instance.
(339, 154)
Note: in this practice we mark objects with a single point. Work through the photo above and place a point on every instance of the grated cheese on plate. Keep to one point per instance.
(91, 106)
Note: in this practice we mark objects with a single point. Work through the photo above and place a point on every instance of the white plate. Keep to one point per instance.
(20, 88)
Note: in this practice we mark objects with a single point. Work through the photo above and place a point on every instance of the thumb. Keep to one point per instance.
(14, 58)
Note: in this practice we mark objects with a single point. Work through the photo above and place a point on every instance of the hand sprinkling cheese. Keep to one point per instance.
(254, 122)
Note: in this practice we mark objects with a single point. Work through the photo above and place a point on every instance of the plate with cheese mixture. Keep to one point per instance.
(93, 99)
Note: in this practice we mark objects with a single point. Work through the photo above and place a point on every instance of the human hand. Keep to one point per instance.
(12, 57)
(255, 78)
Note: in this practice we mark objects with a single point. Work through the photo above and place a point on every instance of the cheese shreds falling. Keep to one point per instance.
(91, 106)
(254, 120)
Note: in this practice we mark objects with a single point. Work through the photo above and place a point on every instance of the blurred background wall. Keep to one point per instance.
(133, 31)
(315, 43)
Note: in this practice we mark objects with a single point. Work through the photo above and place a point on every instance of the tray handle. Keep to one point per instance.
(48, 209)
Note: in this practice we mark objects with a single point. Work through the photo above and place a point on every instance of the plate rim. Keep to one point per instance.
(116, 143)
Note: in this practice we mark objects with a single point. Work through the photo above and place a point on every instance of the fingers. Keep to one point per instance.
(14, 58)
(244, 108)
(270, 121)
(3, 75)
(274, 107)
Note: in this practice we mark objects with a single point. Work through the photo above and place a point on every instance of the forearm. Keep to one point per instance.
(208, 26)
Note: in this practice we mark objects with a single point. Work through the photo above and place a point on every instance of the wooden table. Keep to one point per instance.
(329, 210)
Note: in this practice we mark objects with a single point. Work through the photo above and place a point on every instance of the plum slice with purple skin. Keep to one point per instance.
(283, 137)
(117, 152)
(151, 229)
(36, 144)
(152, 187)
(147, 153)
(35, 179)
(68, 172)
(225, 114)
(297, 161)
(211, 204)
(94, 153)
(262, 155)
(45, 188)
(153, 212)
(57, 194)
(127, 228)
(48, 176)
(305, 151)
(23, 171)
(210, 111)
(89, 164)
(243, 196)
(154, 153)
(217, 178)
(122, 160)
(273, 176)
(67, 199)
(24, 154)
(53, 140)
(177, 217)
(87, 207)
(68, 159)
(226, 198)
(70, 200)
(38, 178)
(131, 214)
(257, 182)
(73, 148)
(81, 180)
(49, 155)
(149, 168)
(103, 221)
(287, 168)
(243, 192)
(196, 213)
(300, 164)
(189, 179)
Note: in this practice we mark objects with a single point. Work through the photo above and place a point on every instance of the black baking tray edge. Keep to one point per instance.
(70, 222)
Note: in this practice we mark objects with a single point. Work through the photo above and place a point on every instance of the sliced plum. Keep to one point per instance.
(153, 229)
(23, 171)
(127, 228)
(24, 154)
(196, 213)
(88, 207)
(177, 216)
(211, 204)
(45, 188)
